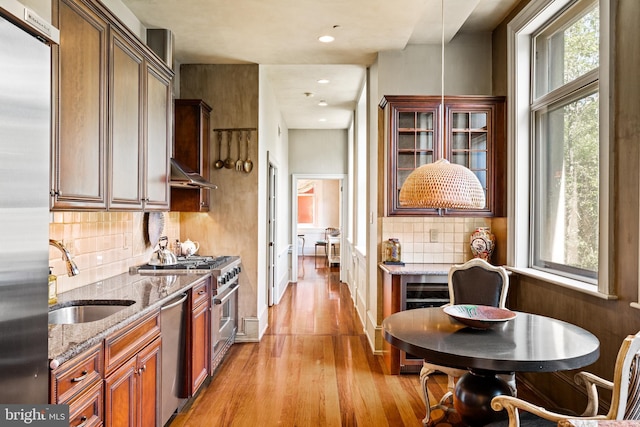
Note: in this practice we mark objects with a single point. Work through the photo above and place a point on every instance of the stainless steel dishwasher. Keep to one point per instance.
(173, 330)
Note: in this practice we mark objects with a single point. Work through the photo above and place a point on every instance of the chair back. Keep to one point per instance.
(625, 400)
(478, 282)
(331, 231)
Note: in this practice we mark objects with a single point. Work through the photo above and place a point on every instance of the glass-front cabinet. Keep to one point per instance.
(473, 136)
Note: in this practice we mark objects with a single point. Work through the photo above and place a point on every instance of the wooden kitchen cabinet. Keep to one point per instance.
(191, 148)
(132, 390)
(78, 383)
(473, 135)
(113, 109)
(132, 374)
(139, 139)
(200, 335)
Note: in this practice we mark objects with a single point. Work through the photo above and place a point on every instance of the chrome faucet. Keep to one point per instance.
(72, 268)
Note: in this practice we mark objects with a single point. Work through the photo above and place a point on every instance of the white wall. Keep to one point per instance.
(274, 147)
(314, 151)
(416, 70)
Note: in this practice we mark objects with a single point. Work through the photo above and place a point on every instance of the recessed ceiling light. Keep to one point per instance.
(323, 81)
(326, 39)
(323, 103)
(322, 120)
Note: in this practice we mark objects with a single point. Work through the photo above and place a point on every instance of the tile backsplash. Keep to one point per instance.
(432, 239)
(103, 244)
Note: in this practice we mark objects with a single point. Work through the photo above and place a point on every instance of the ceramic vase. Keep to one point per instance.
(482, 243)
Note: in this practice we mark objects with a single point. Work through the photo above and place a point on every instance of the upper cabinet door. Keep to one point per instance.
(80, 85)
(476, 140)
(126, 120)
(158, 120)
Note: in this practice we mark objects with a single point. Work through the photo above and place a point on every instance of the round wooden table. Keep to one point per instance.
(527, 343)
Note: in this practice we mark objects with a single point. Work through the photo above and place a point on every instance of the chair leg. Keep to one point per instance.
(445, 404)
(424, 377)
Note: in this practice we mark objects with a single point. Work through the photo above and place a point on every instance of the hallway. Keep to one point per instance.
(313, 367)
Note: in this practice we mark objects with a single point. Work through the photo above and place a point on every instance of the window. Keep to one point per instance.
(565, 155)
(560, 155)
(306, 202)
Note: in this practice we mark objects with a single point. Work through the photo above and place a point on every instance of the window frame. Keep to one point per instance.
(532, 18)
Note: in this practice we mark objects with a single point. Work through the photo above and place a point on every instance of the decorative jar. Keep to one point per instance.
(391, 251)
(482, 243)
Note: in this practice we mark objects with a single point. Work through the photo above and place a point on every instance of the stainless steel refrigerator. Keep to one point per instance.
(25, 130)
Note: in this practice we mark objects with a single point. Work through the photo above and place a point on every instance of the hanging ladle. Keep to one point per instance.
(229, 163)
(219, 163)
(248, 164)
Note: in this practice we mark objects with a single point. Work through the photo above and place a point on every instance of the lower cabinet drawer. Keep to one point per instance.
(86, 410)
(121, 345)
(76, 375)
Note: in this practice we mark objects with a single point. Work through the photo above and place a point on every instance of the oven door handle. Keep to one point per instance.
(227, 295)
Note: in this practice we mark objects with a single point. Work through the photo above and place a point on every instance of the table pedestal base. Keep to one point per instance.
(473, 394)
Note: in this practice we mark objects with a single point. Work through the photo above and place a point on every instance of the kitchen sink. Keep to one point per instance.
(84, 311)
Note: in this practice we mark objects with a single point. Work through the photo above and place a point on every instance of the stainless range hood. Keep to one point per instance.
(182, 176)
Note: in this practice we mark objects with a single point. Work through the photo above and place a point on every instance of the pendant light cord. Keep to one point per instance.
(442, 113)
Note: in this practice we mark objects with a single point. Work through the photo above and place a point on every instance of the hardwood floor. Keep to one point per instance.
(313, 367)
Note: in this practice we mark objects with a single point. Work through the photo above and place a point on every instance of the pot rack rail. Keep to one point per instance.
(234, 129)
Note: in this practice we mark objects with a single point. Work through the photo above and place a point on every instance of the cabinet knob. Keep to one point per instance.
(83, 421)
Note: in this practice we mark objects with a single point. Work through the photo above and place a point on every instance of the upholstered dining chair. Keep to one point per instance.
(474, 282)
(625, 395)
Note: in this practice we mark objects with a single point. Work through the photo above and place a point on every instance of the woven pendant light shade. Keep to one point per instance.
(442, 185)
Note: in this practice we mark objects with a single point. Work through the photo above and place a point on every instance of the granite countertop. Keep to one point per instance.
(426, 268)
(149, 291)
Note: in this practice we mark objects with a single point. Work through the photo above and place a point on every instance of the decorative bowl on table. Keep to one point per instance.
(479, 316)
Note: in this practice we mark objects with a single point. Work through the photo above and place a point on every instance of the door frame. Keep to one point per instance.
(342, 178)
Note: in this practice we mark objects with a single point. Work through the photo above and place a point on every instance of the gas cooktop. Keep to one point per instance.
(195, 262)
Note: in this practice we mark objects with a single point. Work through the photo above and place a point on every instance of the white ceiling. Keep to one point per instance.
(283, 36)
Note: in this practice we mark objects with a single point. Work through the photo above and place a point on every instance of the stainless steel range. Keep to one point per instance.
(224, 297)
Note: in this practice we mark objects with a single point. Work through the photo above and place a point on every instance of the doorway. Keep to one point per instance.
(318, 201)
